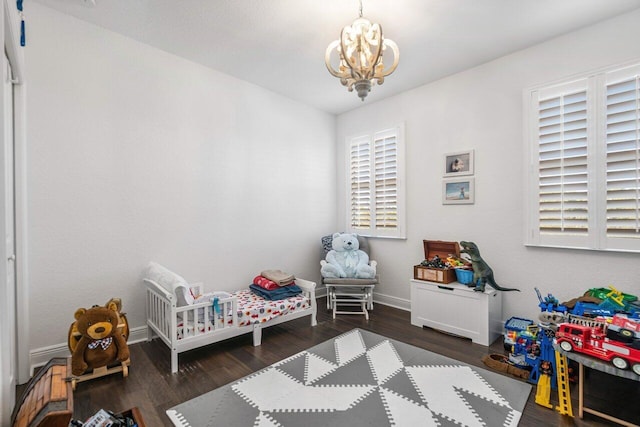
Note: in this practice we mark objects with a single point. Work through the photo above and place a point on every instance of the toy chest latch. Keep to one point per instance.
(443, 250)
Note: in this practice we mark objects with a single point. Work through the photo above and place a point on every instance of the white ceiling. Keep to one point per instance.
(280, 44)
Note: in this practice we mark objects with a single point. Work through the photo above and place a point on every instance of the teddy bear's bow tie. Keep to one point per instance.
(351, 259)
(104, 343)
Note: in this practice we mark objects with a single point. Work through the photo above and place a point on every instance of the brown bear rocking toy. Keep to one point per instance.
(98, 341)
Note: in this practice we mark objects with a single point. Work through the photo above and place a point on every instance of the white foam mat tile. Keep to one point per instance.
(349, 346)
(317, 367)
(403, 412)
(384, 361)
(437, 385)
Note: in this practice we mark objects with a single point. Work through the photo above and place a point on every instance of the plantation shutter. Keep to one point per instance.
(563, 173)
(386, 180)
(622, 136)
(360, 179)
(584, 177)
(375, 176)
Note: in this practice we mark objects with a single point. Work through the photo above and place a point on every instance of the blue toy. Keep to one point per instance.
(513, 327)
(550, 303)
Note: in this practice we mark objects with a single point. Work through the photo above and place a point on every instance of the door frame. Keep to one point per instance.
(15, 53)
(8, 344)
(17, 362)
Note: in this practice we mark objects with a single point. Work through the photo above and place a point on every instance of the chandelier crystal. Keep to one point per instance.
(360, 49)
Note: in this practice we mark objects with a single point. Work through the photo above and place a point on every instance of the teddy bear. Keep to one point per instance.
(102, 342)
(346, 260)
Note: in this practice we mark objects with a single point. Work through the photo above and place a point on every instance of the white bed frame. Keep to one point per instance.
(163, 316)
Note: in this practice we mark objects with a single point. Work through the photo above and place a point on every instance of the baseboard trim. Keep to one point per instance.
(391, 301)
(40, 356)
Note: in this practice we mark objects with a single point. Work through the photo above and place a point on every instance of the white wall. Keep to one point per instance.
(481, 109)
(138, 155)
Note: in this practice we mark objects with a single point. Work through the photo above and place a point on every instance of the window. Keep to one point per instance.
(584, 162)
(375, 193)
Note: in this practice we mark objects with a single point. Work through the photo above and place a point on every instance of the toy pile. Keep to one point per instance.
(583, 324)
(452, 261)
(602, 323)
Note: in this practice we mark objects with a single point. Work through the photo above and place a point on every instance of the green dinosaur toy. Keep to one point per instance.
(482, 273)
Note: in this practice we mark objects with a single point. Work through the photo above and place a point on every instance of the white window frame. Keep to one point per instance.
(370, 136)
(597, 237)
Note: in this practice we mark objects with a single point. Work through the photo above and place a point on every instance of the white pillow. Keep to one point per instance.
(171, 282)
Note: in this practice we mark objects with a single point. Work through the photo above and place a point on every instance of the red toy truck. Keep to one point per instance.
(594, 342)
(626, 329)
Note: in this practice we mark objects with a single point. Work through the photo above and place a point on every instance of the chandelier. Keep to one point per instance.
(360, 48)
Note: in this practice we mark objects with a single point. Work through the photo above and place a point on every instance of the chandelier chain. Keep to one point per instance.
(360, 8)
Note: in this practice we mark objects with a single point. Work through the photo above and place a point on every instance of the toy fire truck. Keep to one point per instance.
(621, 328)
(594, 341)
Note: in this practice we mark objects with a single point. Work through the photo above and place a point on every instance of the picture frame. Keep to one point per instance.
(459, 163)
(458, 191)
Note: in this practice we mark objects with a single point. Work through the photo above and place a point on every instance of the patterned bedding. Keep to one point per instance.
(252, 309)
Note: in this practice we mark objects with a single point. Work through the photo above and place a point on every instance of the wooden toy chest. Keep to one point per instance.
(443, 250)
(47, 400)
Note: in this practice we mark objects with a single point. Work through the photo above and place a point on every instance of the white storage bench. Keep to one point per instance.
(457, 309)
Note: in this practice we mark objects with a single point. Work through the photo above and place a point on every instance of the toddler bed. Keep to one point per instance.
(185, 319)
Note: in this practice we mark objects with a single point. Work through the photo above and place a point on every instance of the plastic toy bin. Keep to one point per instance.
(463, 276)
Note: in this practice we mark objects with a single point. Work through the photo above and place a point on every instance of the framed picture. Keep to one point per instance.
(460, 163)
(460, 191)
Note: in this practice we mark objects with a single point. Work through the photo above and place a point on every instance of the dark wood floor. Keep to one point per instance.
(153, 389)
